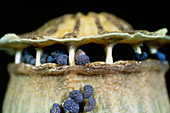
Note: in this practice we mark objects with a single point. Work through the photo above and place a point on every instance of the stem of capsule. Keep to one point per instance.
(72, 55)
(18, 55)
(153, 49)
(38, 56)
(138, 49)
(109, 58)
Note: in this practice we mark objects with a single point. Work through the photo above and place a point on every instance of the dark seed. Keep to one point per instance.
(76, 95)
(71, 105)
(62, 59)
(28, 58)
(32, 61)
(82, 59)
(90, 104)
(160, 56)
(43, 58)
(49, 59)
(141, 57)
(55, 56)
(55, 108)
(88, 91)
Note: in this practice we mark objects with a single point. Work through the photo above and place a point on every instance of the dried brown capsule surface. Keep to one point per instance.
(125, 86)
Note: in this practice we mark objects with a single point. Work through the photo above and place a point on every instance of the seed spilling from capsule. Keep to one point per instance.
(81, 57)
(56, 54)
(27, 57)
(75, 103)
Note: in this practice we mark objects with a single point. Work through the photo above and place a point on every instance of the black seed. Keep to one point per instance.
(32, 61)
(90, 104)
(141, 57)
(28, 58)
(55, 108)
(43, 58)
(160, 56)
(88, 91)
(71, 105)
(82, 59)
(49, 59)
(55, 56)
(62, 59)
(76, 95)
(52, 55)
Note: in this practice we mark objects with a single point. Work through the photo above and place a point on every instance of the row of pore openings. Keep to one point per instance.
(87, 53)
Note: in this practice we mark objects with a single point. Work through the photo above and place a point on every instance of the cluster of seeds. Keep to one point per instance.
(27, 56)
(57, 54)
(73, 104)
(158, 55)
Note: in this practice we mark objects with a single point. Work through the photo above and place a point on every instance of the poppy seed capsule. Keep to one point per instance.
(88, 91)
(76, 95)
(121, 84)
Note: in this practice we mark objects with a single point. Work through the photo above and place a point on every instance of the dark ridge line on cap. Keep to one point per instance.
(76, 28)
(98, 23)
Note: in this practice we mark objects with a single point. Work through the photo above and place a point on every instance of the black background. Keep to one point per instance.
(20, 17)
